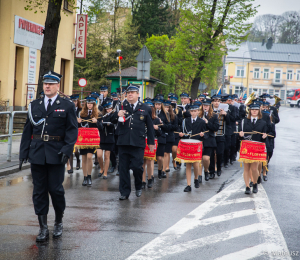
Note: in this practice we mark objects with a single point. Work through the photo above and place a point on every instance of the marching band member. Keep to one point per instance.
(78, 108)
(185, 100)
(192, 126)
(209, 143)
(103, 93)
(89, 112)
(170, 135)
(106, 128)
(224, 120)
(162, 139)
(253, 122)
(177, 110)
(273, 110)
(149, 162)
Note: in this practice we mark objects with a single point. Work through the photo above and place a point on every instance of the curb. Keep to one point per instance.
(13, 169)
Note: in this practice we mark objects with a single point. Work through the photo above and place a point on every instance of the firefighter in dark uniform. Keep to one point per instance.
(103, 96)
(48, 139)
(273, 110)
(134, 117)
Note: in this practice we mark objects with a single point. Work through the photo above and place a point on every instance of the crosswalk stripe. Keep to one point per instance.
(236, 201)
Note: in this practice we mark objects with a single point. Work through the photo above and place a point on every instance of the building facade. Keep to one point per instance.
(21, 40)
(255, 68)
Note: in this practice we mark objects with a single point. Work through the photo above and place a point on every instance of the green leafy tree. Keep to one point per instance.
(203, 34)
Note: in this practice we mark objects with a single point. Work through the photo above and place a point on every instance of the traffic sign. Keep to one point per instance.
(82, 82)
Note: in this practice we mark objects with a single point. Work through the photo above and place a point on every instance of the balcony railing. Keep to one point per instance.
(277, 82)
(227, 80)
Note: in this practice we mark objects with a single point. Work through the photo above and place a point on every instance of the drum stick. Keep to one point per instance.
(262, 133)
(199, 133)
(244, 133)
(161, 125)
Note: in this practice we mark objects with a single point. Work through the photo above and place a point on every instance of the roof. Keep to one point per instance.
(130, 72)
(279, 52)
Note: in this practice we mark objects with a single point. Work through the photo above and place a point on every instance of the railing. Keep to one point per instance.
(10, 130)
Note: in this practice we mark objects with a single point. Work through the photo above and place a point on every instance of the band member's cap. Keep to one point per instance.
(216, 97)
(147, 99)
(255, 105)
(52, 77)
(158, 100)
(95, 94)
(42, 93)
(108, 103)
(90, 99)
(206, 101)
(194, 107)
(170, 94)
(173, 98)
(149, 103)
(264, 95)
(74, 97)
(167, 103)
(201, 96)
(183, 94)
(198, 103)
(103, 88)
(114, 94)
(132, 87)
(266, 103)
(123, 90)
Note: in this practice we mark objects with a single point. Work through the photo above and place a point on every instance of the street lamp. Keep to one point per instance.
(243, 65)
(119, 59)
(287, 71)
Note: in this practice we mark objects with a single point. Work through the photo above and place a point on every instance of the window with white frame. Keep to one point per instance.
(240, 71)
(298, 75)
(237, 90)
(277, 78)
(289, 75)
(266, 73)
(256, 73)
(265, 90)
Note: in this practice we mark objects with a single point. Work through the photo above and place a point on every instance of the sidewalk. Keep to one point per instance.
(12, 166)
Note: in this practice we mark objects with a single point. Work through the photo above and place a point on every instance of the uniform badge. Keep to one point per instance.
(41, 102)
(57, 102)
(141, 117)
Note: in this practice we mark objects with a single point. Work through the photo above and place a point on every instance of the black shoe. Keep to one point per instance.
(196, 182)
(167, 170)
(255, 190)
(44, 232)
(187, 189)
(247, 191)
(143, 185)
(178, 165)
(58, 225)
(84, 183)
(226, 165)
(160, 174)
(96, 163)
(231, 162)
(70, 171)
(175, 167)
(234, 159)
(212, 175)
(200, 178)
(123, 197)
(152, 179)
(265, 177)
(150, 184)
(138, 193)
(111, 169)
(164, 175)
(117, 174)
(89, 180)
(100, 174)
(219, 173)
(251, 184)
(259, 180)
(155, 162)
(104, 177)
(206, 176)
(78, 165)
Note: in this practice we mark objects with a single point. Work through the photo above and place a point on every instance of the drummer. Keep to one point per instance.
(88, 118)
(253, 122)
(193, 126)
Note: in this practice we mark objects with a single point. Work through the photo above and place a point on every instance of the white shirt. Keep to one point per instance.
(252, 118)
(90, 112)
(134, 105)
(46, 101)
(193, 119)
(158, 111)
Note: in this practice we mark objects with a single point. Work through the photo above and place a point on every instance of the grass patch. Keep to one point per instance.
(4, 140)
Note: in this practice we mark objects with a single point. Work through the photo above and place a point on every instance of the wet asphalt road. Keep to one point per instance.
(99, 226)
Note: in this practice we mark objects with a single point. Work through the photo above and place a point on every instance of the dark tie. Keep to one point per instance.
(253, 122)
(49, 104)
(194, 121)
(90, 112)
(132, 106)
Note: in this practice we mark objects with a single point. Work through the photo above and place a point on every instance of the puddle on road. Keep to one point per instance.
(8, 182)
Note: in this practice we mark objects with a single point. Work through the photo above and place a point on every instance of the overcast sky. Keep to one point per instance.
(276, 6)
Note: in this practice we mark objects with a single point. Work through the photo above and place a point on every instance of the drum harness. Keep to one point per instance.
(249, 137)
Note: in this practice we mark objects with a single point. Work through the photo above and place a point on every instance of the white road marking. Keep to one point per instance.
(167, 243)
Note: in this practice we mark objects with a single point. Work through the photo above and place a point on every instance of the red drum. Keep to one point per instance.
(150, 155)
(252, 151)
(189, 151)
(88, 138)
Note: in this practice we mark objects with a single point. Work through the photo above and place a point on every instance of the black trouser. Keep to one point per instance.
(130, 157)
(48, 178)
(219, 152)
(232, 147)
(114, 154)
(227, 148)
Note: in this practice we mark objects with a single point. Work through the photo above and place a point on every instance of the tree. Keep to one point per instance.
(205, 28)
(290, 28)
(152, 17)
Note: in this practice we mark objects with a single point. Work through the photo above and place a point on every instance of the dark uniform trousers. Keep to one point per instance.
(227, 148)
(48, 178)
(130, 157)
(219, 152)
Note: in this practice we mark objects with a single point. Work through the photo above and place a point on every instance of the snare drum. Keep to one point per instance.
(150, 155)
(189, 151)
(252, 151)
(88, 138)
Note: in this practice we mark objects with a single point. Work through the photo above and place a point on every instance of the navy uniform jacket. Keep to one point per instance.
(275, 115)
(242, 111)
(132, 131)
(197, 127)
(230, 128)
(162, 139)
(212, 126)
(60, 121)
(173, 127)
(179, 118)
(259, 126)
(107, 130)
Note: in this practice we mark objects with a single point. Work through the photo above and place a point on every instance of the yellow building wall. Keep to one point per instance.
(66, 37)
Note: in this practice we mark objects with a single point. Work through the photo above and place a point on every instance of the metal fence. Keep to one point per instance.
(10, 130)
